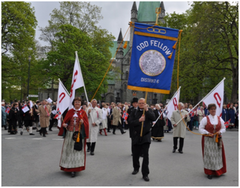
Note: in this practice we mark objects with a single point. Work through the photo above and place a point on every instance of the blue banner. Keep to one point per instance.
(152, 58)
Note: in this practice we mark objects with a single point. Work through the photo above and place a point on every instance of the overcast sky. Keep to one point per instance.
(116, 14)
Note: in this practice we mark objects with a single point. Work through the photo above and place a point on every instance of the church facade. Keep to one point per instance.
(117, 88)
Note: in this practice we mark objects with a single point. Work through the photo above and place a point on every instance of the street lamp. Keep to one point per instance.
(29, 60)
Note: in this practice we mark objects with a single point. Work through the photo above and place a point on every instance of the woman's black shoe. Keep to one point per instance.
(209, 177)
(73, 174)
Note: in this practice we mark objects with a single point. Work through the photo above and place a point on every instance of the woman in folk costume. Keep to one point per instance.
(105, 114)
(95, 119)
(157, 130)
(213, 152)
(75, 120)
(44, 117)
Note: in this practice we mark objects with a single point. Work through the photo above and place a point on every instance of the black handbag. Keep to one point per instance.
(77, 145)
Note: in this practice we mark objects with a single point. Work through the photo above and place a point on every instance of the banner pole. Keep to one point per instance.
(143, 113)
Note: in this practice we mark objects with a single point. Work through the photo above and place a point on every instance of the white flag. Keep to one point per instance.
(49, 100)
(25, 109)
(216, 96)
(62, 101)
(173, 103)
(31, 104)
(77, 80)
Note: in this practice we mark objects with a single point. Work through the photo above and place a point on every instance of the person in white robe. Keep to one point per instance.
(104, 126)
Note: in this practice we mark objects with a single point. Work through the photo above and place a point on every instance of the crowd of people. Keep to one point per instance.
(28, 115)
(81, 126)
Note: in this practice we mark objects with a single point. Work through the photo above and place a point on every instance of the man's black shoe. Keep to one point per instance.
(123, 132)
(146, 178)
(92, 153)
(180, 152)
(209, 177)
(31, 134)
(50, 129)
(134, 172)
(173, 150)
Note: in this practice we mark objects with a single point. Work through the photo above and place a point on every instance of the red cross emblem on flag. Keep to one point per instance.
(57, 114)
(125, 115)
(7, 110)
(227, 123)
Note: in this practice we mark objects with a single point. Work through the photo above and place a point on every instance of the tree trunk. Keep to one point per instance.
(234, 97)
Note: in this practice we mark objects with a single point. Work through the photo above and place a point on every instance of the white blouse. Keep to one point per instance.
(214, 121)
(104, 111)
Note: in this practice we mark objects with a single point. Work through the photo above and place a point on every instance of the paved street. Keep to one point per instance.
(34, 161)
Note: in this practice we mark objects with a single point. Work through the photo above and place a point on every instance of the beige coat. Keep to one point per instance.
(180, 129)
(201, 115)
(116, 113)
(44, 120)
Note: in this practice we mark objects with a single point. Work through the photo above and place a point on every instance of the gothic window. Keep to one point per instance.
(111, 99)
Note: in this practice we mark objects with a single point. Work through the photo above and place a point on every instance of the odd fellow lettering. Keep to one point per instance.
(154, 43)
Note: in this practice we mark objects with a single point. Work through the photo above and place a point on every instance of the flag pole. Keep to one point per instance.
(203, 99)
(143, 113)
(160, 115)
(82, 78)
(63, 86)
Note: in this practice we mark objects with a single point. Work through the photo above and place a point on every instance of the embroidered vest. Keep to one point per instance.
(210, 128)
(74, 123)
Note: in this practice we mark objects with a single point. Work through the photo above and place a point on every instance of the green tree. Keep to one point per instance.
(93, 62)
(209, 49)
(81, 34)
(18, 30)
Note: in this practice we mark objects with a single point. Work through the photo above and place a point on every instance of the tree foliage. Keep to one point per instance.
(18, 31)
(73, 28)
(209, 49)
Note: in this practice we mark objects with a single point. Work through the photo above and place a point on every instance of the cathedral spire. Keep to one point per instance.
(162, 6)
(120, 36)
(134, 7)
(134, 12)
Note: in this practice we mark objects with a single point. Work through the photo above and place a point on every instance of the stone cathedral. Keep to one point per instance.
(117, 88)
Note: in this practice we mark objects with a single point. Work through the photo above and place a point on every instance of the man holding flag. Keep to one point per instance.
(141, 144)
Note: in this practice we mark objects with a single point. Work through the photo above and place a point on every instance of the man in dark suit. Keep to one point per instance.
(36, 115)
(134, 106)
(141, 143)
